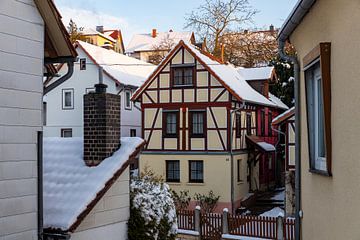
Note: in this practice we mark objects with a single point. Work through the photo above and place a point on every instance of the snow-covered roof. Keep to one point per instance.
(266, 146)
(91, 31)
(226, 73)
(278, 102)
(258, 73)
(285, 115)
(231, 77)
(145, 42)
(122, 68)
(69, 185)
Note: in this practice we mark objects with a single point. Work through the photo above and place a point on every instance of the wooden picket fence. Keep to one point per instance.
(211, 225)
(253, 226)
(186, 219)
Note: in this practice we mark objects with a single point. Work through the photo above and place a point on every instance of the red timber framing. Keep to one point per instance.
(211, 95)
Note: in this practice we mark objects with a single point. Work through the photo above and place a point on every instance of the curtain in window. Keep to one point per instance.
(171, 123)
(198, 123)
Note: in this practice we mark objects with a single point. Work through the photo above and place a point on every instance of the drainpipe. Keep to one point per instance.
(232, 155)
(276, 154)
(40, 183)
(70, 65)
(298, 211)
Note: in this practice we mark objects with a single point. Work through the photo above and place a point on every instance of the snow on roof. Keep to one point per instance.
(266, 146)
(260, 73)
(277, 101)
(231, 77)
(145, 42)
(91, 31)
(69, 185)
(126, 70)
(289, 112)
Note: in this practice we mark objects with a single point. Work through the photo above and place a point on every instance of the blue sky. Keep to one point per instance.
(134, 16)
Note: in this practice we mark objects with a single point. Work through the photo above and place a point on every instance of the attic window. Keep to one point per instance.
(182, 76)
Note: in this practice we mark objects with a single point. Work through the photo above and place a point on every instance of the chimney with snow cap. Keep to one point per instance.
(100, 29)
(153, 33)
(101, 124)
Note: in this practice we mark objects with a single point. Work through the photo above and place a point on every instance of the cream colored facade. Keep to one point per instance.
(213, 148)
(330, 205)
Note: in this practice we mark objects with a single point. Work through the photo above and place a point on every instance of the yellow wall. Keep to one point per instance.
(217, 177)
(331, 204)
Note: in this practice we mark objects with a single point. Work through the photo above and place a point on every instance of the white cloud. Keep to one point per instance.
(91, 19)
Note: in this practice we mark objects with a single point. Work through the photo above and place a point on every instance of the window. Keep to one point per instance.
(68, 98)
(82, 63)
(66, 132)
(197, 123)
(316, 110)
(183, 76)
(269, 124)
(248, 124)
(239, 177)
(128, 100)
(262, 123)
(170, 123)
(196, 171)
(318, 106)
(132, 132)
(238, 125)
(173, 171)
(270, 159)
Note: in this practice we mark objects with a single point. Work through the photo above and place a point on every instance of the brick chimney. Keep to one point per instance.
(153, 33)
(271, 28)
(101, 124)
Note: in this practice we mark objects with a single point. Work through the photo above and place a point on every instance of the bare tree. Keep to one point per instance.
(160, 50)
(215, 17)
(74, 31)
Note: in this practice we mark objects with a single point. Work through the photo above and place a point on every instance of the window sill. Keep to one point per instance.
(195, 184)
(183, 86)
(320, 172)
(240, 182)
(174, 183)
(129, 109)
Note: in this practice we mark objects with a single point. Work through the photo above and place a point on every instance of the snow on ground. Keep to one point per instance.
(275, 212)
(280, 196)
(70, 185)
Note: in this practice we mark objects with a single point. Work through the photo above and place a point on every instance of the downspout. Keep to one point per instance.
(232, 154)
(298, 211)
(276, 144)
(70, 65)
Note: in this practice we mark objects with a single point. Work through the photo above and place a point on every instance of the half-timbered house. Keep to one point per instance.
(196, 114)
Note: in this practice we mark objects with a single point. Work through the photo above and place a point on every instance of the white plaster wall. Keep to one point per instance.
(110, 215)
(57, 118)
(21, 70)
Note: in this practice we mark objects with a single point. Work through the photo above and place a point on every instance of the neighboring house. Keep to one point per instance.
(32, 37)
(86, 180)
(200, 121)
(285, 123)
(110, 39)
(145, 46)
(122, 74)
(250, 48)
(327, 78)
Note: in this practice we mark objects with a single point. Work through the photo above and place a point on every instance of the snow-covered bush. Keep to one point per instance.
(152, 210)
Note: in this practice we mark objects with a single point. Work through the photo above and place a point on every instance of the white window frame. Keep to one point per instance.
(64, 91)
(127, 107)
(314, 80)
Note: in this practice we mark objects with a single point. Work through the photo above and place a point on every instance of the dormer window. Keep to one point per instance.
(182, 76)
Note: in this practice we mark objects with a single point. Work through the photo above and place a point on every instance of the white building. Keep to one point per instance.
(24, 48)
(122, 75)
(143, 46)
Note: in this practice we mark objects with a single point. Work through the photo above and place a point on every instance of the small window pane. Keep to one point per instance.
(248, 124)
(178, 76)
(68, 99)
(173, 171)
(196, 171)
(321, 133)
(188, 75)
(128, 100)
(66, 133)
(198, 123)
(171, 123)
